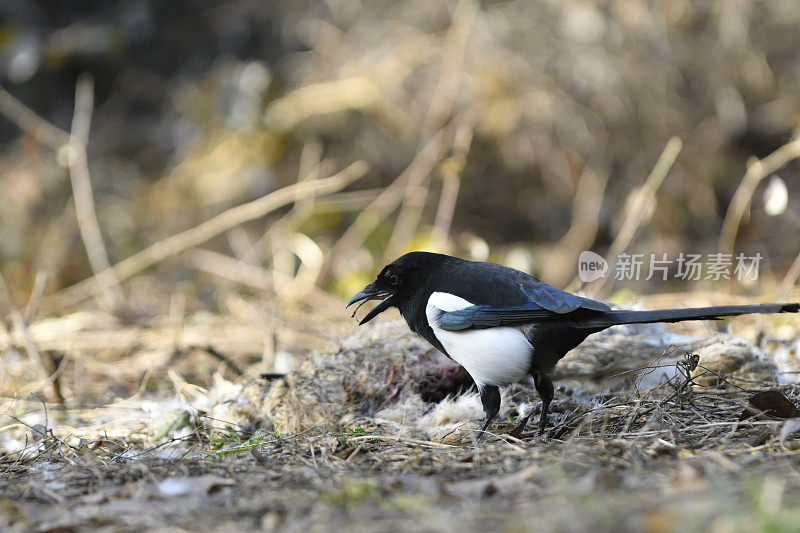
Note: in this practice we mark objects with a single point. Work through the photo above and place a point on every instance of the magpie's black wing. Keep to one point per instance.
(483, 316)
(508, 297)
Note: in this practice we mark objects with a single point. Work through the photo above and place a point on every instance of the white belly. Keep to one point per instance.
(492, 356)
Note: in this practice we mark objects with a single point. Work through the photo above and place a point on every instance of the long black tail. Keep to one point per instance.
(612, 318)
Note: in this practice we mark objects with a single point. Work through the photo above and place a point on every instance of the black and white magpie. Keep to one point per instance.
(503, 325)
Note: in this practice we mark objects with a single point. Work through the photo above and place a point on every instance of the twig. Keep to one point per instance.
(442, 102)
(254, 276)
(309, 168)
(209, 229)
(18, 321)
(346, 201)
(452, 66)
(640, 203)
(372, 215)
(451, 186)
(740, 202)
(582, 232)
(221, 357)
(36, 296)
(53, 369)
(790, 278)
(282, 231)
(30, 122)
(74, 145)
(358, 92)
(82, 194)
(413, 201)
(403, 440)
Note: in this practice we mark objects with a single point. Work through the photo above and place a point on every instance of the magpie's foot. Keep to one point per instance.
(480, 436)
(544, 434)
(539, 437)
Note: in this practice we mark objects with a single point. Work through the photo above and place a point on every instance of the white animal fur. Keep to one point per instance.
(449, 420)
(492, 356)
(412, 412)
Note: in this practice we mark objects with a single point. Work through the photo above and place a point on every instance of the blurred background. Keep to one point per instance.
(252, 158)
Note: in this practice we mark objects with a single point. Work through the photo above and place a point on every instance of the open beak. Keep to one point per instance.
(371, 292)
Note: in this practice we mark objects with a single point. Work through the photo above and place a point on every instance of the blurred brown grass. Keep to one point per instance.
(523, 125)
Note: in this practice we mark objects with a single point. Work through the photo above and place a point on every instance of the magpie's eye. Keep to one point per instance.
(391, 277)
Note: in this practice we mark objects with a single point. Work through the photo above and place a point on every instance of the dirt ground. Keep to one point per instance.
(509, 486)
(643, 437)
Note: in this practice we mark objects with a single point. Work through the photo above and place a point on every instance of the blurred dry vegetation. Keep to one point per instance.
(538, 118)
(191, 187)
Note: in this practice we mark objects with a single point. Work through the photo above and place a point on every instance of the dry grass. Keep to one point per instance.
(323, 446)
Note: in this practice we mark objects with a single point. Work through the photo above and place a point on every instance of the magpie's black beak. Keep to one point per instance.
(372, 292)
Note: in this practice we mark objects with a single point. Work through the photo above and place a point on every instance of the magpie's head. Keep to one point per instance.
(398, 282)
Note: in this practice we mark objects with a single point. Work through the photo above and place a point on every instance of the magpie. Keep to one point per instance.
(503, 325)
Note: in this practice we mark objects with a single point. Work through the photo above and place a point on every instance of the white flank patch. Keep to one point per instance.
(492, 356)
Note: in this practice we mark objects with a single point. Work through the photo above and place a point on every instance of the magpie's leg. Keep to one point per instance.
(490, 398)
(544, 386)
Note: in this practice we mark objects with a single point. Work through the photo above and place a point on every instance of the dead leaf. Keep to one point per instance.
(768, 404)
